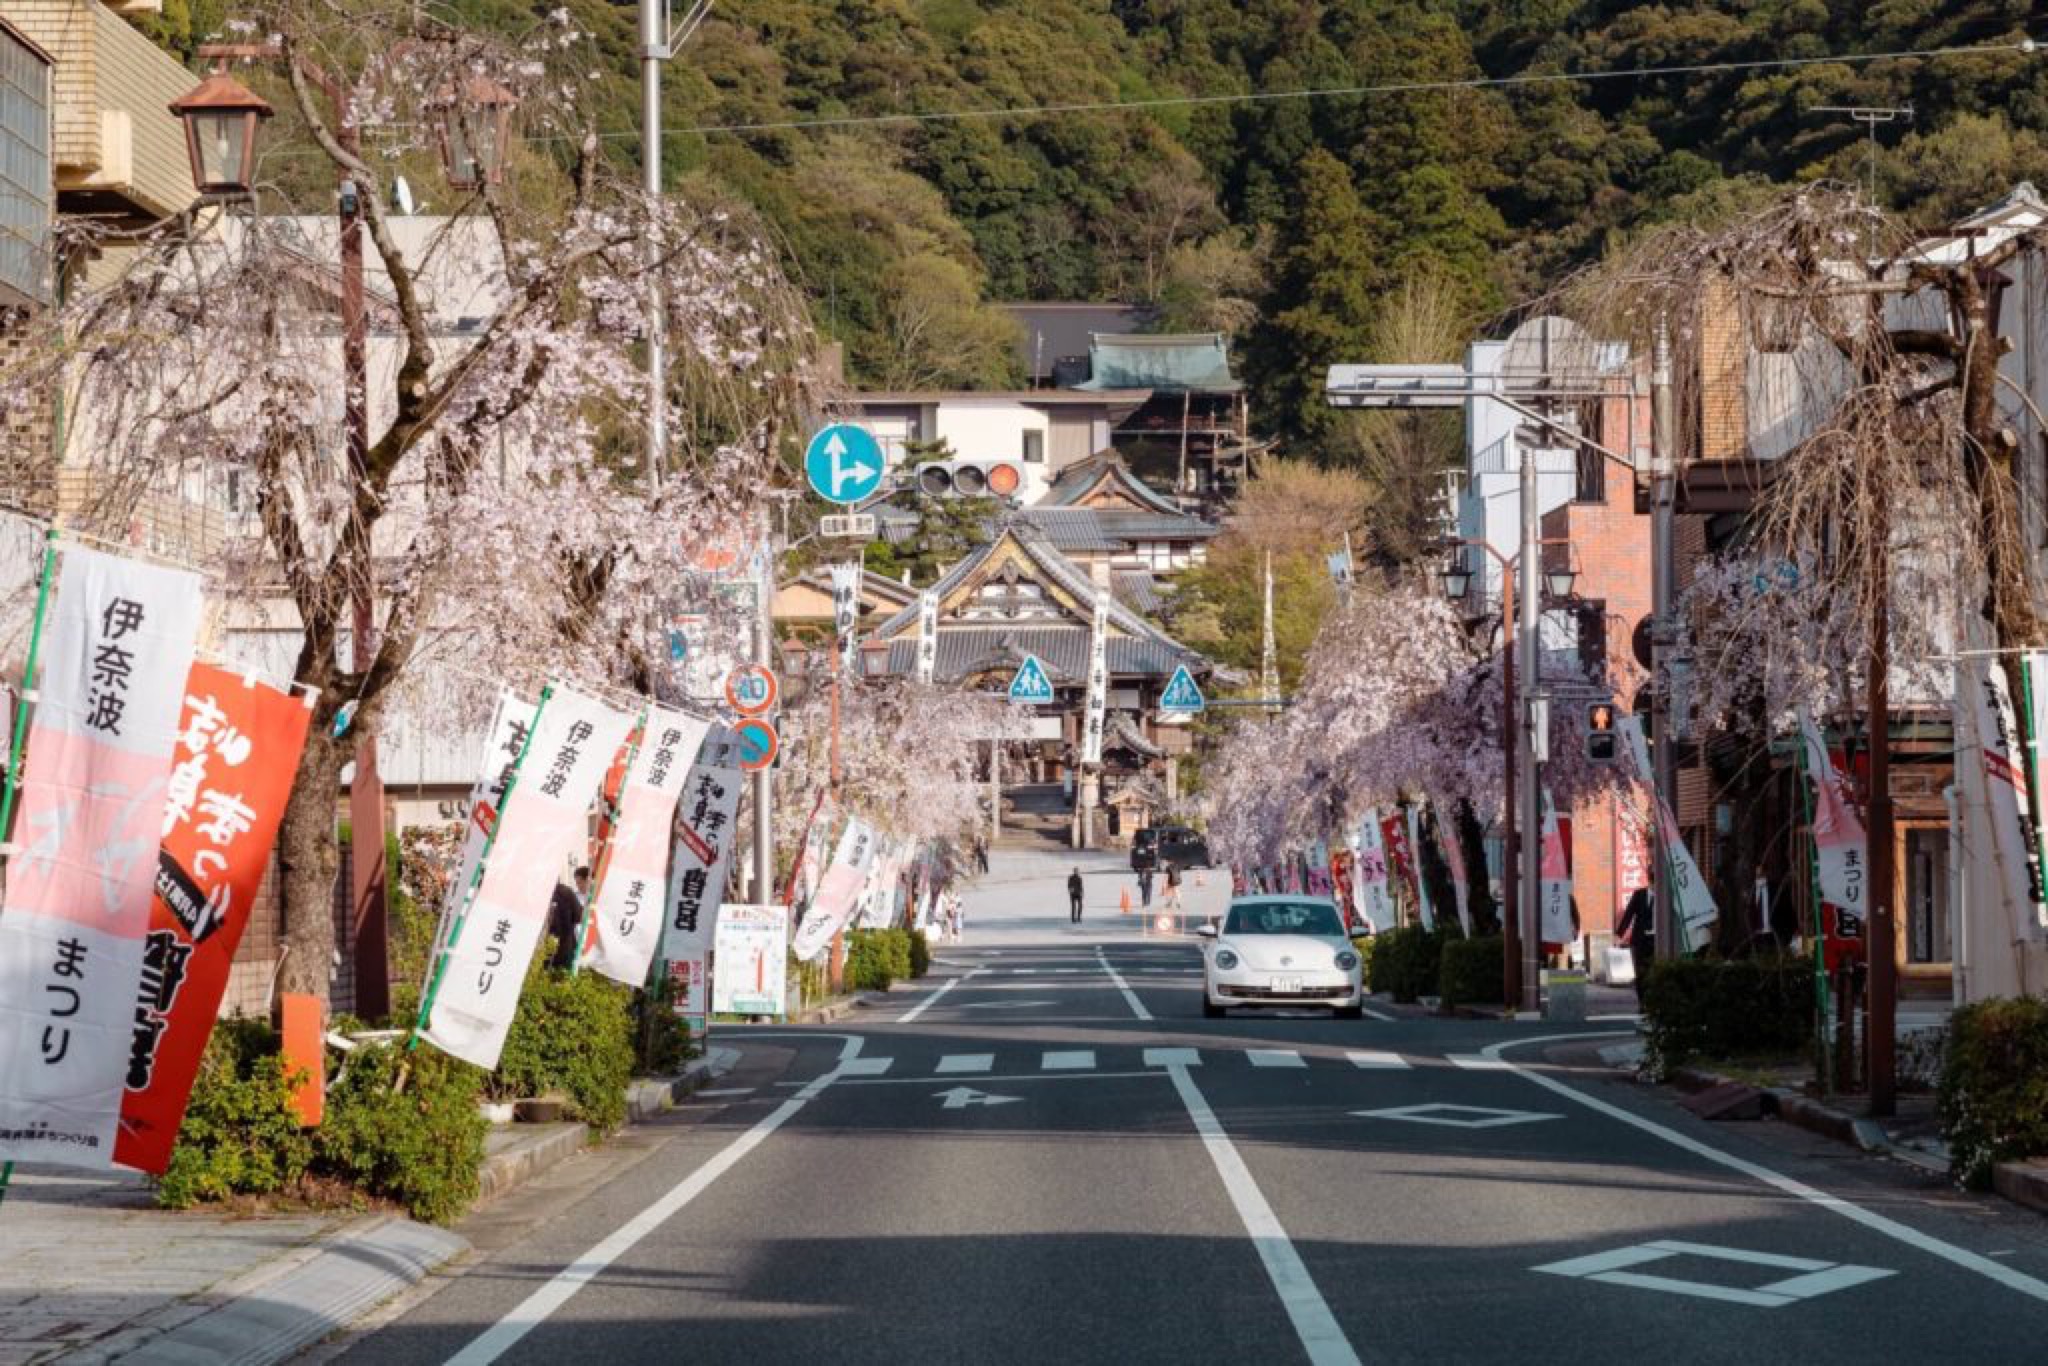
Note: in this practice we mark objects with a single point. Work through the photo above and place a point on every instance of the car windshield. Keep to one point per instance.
(1285, 917)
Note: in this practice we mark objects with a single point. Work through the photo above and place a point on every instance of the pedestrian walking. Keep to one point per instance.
(565, 918)
(1173, 887)
(1145, 887)
(1638, 930)
(981, 853)
(1074, 896)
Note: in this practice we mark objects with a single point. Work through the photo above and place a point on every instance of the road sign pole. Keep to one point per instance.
(764, 779)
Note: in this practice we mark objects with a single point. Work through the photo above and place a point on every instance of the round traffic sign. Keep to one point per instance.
(758, 743)
(751, 689)
(843, 463)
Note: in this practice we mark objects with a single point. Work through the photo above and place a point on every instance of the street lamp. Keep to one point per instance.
(220, 117)
(475, 129)
(1457, 582)
(1558, 582)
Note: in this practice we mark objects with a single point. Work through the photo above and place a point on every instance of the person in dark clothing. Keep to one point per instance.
(1145, 887)
(1638, 930)
(565, 918)
(1074, 896)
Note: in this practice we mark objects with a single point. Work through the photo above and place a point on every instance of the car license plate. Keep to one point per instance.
(1286, 986)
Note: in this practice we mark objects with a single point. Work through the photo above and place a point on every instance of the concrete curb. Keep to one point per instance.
(2023, 1183)
(1804, 1112)
(825, 1012)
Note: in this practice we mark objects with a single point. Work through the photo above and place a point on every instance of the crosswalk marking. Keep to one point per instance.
(966, 1062)
(1173, 1057)
(1088, 1060)
(1376, 1058)
(1473, 1062)
(1071, 1060)
(864, 1067)
(1274, 1057)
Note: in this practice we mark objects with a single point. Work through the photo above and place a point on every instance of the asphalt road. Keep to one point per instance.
(1045, 1154)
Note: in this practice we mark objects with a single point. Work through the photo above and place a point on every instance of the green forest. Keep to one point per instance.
(1286, 222)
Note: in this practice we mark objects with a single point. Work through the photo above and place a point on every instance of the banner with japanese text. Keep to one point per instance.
(1555, 927)
(1416, 835)
(238, 751)
(838, 891)
(116, 651)
(846, 610)
(545, 822)
(1097, 716)
(1693, 912)
(704, 837)
(1376, 901)
(510, 725)
(927, 635)
(1995, 734)
(2034, 668)
(1400, 860)
(626, 903)
(1839, 848)
(750, 961)
(1461, 885)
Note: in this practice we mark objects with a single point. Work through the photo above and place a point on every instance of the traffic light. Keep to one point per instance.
(970, 479)
(1601, 741)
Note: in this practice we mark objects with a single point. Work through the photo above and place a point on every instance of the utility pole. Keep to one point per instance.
(658, 43)
(764, 778)
(1881, 1021)
(1534, 713)
(1663, 629)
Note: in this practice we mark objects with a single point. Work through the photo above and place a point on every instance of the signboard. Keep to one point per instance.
(696, 882)
(625, 912)
(1181, 693)
(758, 742)
(1098, 683)
(846, 608)
(843, 463)
(752, 689)
(1032, 687)
(927, 635)
(750, 961)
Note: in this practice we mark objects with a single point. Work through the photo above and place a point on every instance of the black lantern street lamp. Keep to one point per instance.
(474, 132)
(1558, 582)
(1457, 582)
(220, 117)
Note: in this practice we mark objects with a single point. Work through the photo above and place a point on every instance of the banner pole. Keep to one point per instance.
(1822, 1007)
(440, 968)
(18, 741)
(600, 862)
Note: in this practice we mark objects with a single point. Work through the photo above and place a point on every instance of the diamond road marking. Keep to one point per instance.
(864, 1067)
(1173, 1057)
(1482, 1117)
(966, 1062)
(1815, 1278)
(1274, 1057)
(1376, 1058)
(1073, 1060)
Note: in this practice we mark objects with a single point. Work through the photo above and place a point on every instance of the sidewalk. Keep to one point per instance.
(93, 1272)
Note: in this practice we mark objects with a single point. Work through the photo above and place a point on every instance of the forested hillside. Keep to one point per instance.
(1285, 221)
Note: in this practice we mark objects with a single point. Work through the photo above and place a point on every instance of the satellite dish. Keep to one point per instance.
(1550, 352)
(402, 192)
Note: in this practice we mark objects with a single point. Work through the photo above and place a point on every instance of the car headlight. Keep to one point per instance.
(1225, 959)
(1346, 959)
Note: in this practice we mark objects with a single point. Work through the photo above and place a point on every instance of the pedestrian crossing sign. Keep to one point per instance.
(1181, 693)
(1031, 687)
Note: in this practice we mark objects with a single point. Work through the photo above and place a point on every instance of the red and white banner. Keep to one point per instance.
(1839, 845)
(1423, 905)
(546, 820)
(838, 891)
(510, 725)
(1981, 689)
(1692, 903)
(1631, 850)
(1454, 855)
(625, 912)
(704, 831)
(1375, 901)
(116, 651)
(238, 751)
(1555, 901)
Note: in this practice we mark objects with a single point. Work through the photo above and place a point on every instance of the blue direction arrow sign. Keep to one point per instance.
(1031, 687)
(1181, 693)
(843, 463)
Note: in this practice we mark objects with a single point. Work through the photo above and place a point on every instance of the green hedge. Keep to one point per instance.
(241, 1135)
(572, 1035)
(1364, 945)
(421, 1146)
(920, 954)
(875, 958)
(1716, 1008)
(1469, 972)
(1405, 962)
(1994, 1086)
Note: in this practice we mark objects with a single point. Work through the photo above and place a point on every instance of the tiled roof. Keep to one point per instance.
(1169, 364)
(1062, 649)
(1139, 591)
(1076, 480)
(1057, 331)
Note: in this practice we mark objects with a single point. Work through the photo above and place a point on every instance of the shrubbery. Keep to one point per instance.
(421, 1146)
(1363, 945)
(1722, 1008)
(875, 958)
(1405, 962)
(1469, 972)
(572, 1035)
(1994, 1086)
(241, 1135)
(920, 954)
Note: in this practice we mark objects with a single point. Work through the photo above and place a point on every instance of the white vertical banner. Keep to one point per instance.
(1098, 682)
(545, 821)
(1981, 687)
(116, 650)
(510, 725)
(1555, 902)
(927, 635)
(1692, 902)
(878, 895)
(1375, 897)
(1839, 844)
(838, 891)
(2034, 667)
(846, 609)
(1454, 856)
(704, 839)
(625, 911)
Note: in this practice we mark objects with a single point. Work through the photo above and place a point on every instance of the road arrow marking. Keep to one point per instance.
(960, 1097)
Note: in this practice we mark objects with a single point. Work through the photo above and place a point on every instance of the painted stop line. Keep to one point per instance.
(1810, 1278)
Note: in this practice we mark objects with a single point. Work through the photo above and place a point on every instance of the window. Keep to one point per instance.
(1927, 924)
(1286, 917)
(26, 190)
(1034, 448)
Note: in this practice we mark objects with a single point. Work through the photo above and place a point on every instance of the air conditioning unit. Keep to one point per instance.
(971, 479)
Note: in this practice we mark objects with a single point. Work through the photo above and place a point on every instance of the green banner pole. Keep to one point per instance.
(440, 968)
(1822, 999)
(19, 740)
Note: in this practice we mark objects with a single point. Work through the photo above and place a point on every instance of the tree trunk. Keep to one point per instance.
(309, 859)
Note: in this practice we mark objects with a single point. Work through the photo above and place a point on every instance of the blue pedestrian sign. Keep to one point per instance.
(1181, 693)
(843, 463)
(1031, 687)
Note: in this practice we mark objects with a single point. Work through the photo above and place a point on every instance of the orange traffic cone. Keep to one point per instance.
(1123, 899)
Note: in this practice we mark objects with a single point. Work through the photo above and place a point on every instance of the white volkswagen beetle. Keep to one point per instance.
(1281, 951)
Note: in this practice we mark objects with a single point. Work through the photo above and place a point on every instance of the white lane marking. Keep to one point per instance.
(1063, 970)
(1007, 1005)
(965, 1062)
(1310, 1314)
(1173, 1057)
(1891, 1228)
(864, 1067)
(1476, 1063)
(1074, 1060)
(1013, 1076)
(928, 1002)
(1373, 1057)
(1130, 997)
(1274, 1057)
(1372, 1014)
(536, 1308)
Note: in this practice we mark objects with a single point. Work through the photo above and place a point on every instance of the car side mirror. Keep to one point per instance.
(1206, 931)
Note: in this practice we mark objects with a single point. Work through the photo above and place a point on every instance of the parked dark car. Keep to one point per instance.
(1159, 847)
